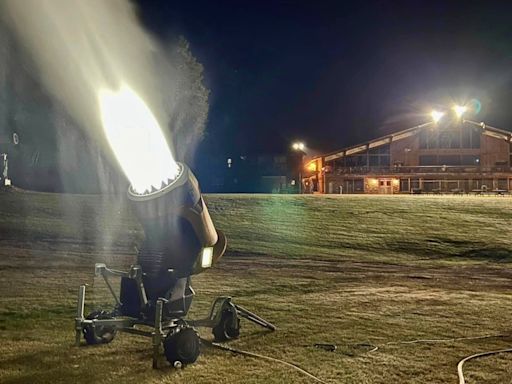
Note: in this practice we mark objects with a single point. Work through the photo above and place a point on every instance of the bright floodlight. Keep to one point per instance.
(436, 116)
(136, 139)
(298, 146)
(460, 110)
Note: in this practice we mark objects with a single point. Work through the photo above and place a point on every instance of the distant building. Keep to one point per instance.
(262, 173)
(458, 158)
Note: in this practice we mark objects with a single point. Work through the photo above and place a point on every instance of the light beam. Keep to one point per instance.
(136, 139)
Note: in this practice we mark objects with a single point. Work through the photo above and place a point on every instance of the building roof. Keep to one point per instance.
(399, 135)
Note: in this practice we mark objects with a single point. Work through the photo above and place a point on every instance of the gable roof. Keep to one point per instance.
(396, 136)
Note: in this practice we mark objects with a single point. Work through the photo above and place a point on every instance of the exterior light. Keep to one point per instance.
(460, 110)
(436, 116)
(312, 167)
(298, 146)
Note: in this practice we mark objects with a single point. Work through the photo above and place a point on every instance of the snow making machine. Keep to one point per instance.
(156, 293)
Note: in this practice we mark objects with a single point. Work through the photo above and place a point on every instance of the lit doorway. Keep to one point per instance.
(385, 187)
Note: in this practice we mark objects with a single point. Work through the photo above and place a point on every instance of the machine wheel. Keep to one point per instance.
(225, 330)
(182, 346)
(99, 334)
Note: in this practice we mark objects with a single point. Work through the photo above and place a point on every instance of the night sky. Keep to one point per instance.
(338, 73)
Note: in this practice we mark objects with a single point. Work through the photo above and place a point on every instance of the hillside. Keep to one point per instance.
(356, 271)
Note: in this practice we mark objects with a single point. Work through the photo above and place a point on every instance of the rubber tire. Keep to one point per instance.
(182, 346)
(224, 330)
(99, 334)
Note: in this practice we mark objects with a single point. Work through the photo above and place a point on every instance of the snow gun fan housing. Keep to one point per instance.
(180, 241)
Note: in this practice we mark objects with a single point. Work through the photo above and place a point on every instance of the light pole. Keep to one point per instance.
(299, 146)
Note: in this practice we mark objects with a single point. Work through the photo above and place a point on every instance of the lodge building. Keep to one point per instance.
(468, 157)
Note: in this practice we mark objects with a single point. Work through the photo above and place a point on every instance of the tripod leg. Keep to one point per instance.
(157, 333)
(79, 315)
(254, 318)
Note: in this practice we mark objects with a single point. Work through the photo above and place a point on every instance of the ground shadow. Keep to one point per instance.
(488, 253)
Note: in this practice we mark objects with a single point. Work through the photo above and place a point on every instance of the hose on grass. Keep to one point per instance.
(460, 364)
(263, 357)
(375, 348)
(475, 356)
(426, 341)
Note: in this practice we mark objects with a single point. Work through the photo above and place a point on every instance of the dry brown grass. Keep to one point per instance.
(348, 271)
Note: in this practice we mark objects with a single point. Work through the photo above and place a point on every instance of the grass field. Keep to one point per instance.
(355, 271)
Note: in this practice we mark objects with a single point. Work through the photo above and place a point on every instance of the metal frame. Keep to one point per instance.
(158, 333)
(224, 303)
(159, 329)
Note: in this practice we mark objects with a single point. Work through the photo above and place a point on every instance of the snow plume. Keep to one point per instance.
(82, 47)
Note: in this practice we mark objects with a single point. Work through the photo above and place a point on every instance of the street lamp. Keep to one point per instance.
(299, 146)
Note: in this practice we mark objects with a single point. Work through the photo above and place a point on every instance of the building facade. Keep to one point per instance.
(456, 158)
